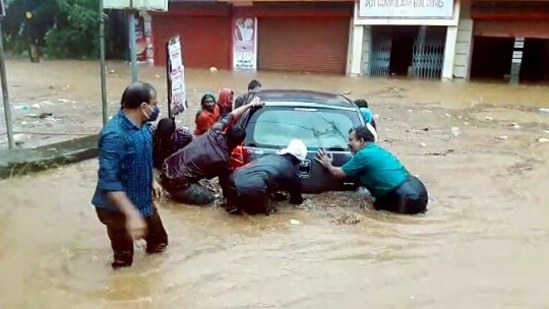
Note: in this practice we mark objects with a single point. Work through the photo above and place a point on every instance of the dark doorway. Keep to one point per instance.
(491, 57)
(402, 49)
(535, 60)
(401, 55)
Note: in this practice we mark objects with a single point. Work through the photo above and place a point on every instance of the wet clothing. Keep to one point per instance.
(225, 102)
(368, 116)
(410, 197)
(243, 99)
(121, 241)
(249, 188)
(207, 156)
(163, 149)
(205, 120)
(125, 164)
(384, 176)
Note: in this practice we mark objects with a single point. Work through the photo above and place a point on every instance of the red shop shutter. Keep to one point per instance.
(312, 44)
(205, 40)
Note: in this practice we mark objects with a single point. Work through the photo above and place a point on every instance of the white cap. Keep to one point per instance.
(297, 148)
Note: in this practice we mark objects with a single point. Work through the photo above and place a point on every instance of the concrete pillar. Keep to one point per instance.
(516, 61)
(356, 51)
(449, 53)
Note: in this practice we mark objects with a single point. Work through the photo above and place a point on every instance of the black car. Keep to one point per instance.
(320, 119)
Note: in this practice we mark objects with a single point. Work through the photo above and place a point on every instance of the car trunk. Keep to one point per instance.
(315, 178)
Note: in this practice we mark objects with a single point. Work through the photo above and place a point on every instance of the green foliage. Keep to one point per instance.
(75, 33)
(63, 29)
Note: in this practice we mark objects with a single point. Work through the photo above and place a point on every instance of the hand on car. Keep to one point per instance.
(257, 103)
(324, 158)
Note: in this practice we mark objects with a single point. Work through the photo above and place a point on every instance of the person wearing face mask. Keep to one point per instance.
(389, 182)
(167, 139)
(250, 187)
(207, 115)
(123, 197)
(206, 157)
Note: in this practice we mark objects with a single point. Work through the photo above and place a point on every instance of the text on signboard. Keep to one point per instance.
(405, 3)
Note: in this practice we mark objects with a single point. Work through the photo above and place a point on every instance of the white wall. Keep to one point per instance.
(464, 44)
(359, 61)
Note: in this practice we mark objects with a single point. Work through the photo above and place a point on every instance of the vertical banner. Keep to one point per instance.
(177, 96)
(140, 44)
(245, 43)
(147, 27)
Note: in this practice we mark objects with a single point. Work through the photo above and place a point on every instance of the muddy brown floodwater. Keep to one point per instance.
(483, 244)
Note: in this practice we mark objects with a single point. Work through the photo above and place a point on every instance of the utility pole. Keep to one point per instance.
(5, 96)
(133, 45)
(102, 63)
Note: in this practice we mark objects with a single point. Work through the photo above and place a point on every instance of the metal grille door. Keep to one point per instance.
(428, 54)
(380, 53)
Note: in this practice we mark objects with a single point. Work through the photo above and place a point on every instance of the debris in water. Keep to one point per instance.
(423, 144)
(213, 70)
(294, 222)
(347, 92)
(544, 110)
(515, 126)
(157, 76)
(543, 140)
(503, 137)
(349, 219)
(443, 153)
(455, 131)
(546, 131)
(447, 115)
(63, 100)
(488, 118)
(36, 106)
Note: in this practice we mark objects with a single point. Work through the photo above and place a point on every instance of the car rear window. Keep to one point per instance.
(318, 128)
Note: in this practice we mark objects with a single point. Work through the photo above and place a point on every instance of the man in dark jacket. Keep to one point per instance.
(249, 187)
(253, 88)
(206, 157)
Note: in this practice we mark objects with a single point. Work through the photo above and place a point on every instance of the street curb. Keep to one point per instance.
(19, 162)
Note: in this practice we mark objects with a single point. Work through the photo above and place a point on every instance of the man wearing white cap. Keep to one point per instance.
(250, 187)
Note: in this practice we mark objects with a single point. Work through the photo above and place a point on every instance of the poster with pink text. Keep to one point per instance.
(245, 43)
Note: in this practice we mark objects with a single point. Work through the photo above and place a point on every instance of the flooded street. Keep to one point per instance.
(479, 147)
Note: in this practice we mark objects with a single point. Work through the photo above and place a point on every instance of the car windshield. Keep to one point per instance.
(318, 128)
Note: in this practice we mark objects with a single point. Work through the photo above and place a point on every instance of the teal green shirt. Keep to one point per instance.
(379, 170)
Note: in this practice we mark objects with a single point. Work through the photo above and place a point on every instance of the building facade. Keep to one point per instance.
(510, 40)
(415, 38)
(428, 39)
(290, 35)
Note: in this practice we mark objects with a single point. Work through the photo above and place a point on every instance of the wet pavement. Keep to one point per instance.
(484, 243)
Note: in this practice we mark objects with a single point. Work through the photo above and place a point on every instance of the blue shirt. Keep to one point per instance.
(378, 170)
(367, 114)
(125, 164)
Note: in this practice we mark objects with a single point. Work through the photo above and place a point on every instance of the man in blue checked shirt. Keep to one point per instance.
(123, 197)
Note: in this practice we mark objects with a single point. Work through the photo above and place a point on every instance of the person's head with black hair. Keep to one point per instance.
(254, 86)
(361, 103)
(208, 102)
(359, 137)
(139, 102)
(166, 128)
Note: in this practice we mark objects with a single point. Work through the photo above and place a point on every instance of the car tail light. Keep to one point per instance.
(237, 157)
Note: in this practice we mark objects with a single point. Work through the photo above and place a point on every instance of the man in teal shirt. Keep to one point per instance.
(393, 187)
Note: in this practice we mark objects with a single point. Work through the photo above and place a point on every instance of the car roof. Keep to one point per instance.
(305, 98)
